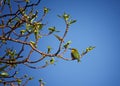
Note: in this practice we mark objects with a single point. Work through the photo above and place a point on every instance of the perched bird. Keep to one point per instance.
(75, 54)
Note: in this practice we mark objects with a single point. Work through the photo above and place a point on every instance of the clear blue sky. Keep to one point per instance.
(98, 24)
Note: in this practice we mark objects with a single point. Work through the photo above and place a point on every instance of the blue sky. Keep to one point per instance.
(98, 24)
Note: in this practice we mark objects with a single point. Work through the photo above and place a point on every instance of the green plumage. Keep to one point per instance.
(75, 54)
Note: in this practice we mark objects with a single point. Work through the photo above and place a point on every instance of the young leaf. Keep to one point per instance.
(36, 32)
(87, 50)
(72, 21)
(52, 60)
(46, 10)
(66, 16)
(38, 25)
(33, 44)
(4, 74)
(22, 32)
(67, 44)
(49, 49)
(90, 48)
(59, 38)
(31, 78)
(19, 81)
(52, 29)
(29, 27)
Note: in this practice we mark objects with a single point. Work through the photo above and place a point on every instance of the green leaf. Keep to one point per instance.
(49, 49)
(87, 50)
(66, 16)
(4, 74)
(38, 25)
(59, 38)
(46, 10)
(90, 48)
(25, 17)
(22, 32)
(36, 32)
(72, 21)
(39, 36)
(22, 11)
(33, 44)
(31, 78)
(52, 29)
(13, 54)
(67, 44)
(29, 27)
(33, 16)
(19, 81)
(52, 60)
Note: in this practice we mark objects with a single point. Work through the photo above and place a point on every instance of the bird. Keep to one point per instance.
(75, 54)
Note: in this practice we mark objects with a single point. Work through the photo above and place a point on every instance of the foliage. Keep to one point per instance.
(23, 27)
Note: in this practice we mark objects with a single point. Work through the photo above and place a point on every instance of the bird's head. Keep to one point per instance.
(73, 49)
